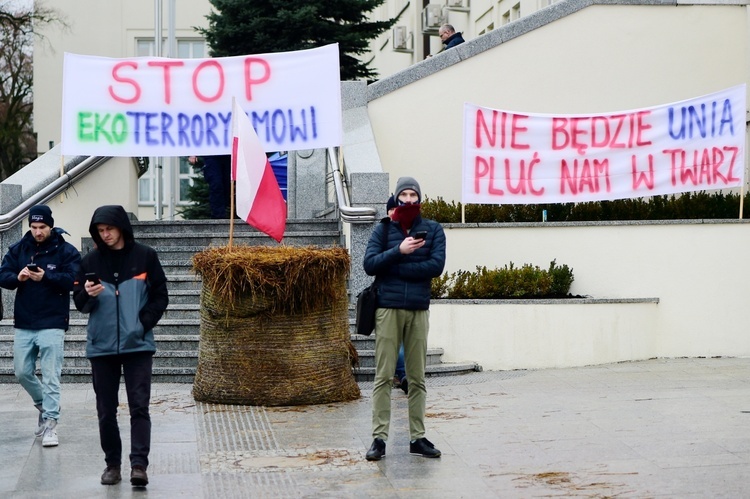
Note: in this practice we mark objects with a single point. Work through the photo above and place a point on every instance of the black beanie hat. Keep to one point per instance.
(392, 203)
(41, 214)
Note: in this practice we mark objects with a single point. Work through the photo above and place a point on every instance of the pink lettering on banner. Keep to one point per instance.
(219, 75)
(525, 181)
(508, 128)
(122, 79)
(167, 65)
(695, 144)
(703, 166)
(249, 80)
(618, 131)
(640, 177)
(256, 71)
(585, 175)
(483, 168)
(517, 181)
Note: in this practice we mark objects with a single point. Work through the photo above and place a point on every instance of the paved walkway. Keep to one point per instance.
(660, 428)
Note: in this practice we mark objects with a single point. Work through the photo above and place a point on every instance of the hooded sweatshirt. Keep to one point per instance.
(135, 294)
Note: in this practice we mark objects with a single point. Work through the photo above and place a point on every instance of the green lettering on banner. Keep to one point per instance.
(94, 126)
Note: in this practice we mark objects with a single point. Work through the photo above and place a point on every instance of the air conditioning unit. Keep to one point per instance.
(432, 18)
(400, 38)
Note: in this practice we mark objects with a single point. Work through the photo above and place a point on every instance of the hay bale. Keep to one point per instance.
(274, 326)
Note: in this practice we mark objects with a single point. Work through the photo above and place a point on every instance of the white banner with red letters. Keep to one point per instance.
(526, 158)
(148, 106)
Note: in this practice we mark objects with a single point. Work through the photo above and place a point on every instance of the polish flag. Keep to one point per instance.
(260, 202)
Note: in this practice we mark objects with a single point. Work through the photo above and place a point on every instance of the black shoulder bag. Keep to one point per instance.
(367, 301)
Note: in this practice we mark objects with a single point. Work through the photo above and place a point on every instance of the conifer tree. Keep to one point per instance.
(199, 209)
(242, 27)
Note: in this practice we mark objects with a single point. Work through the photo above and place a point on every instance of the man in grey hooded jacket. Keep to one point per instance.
(123, 287)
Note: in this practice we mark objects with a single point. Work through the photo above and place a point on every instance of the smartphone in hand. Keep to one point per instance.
(91, 276)
(33, 267)
(420, 234)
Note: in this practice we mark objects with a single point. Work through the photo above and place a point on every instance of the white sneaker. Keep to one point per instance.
(49, 439)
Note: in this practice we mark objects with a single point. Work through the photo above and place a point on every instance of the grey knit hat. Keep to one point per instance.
(408, 183)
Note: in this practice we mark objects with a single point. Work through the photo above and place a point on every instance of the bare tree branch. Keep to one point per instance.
(19, 29)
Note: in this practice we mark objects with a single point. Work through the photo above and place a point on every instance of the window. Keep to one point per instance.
(183, 171)
(181, 183)
(484, 22)
(186, 48)
(515, 12)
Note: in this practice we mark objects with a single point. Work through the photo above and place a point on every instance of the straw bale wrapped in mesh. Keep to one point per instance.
(274, 326)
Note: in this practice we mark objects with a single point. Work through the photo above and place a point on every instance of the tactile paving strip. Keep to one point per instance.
(228, 436)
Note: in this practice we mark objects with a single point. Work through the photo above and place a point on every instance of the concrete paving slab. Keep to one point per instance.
(671, 428)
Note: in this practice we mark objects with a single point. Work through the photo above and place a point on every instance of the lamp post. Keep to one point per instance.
(158, 160)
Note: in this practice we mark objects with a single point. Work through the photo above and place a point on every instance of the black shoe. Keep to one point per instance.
(405, 385)
(377, 450)
(138, 476)
(423, 447)
(111, 475)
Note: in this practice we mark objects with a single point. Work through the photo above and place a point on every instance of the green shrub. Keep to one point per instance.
(688, 206)
(509, 282)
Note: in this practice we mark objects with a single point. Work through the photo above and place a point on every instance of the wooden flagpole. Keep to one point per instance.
(231, 211)
(233, 169)
(742, 199)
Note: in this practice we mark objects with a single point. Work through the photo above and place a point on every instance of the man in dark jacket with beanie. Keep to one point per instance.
(414, 253)
(41, 267)
(123, 287)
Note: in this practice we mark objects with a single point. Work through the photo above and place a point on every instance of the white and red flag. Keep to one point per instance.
(260, 202)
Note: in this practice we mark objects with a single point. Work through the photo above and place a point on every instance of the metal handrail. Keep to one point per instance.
(8, 220)
(351, 214)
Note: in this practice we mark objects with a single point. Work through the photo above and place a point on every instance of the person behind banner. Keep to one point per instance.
(413, 255)
(399, 377)
(217, 171)
(123, 287)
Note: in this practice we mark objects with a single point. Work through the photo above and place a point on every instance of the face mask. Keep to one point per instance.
(405, 215)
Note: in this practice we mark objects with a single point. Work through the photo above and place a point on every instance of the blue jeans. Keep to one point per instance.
(47, 344)
(136, 369)
(400, 368)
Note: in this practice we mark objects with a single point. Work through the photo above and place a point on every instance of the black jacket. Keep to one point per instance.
(135, 295)
(44, 304)
(455, 39)
(404, 280)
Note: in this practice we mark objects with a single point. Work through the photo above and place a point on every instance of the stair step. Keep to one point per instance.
(183, 374)
(293, 226)
(177, 334)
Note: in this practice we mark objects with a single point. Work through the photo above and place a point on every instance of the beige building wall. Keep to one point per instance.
(472, 18)
(602, 58)
(103, 28)
(694, 269)
(112, 183)
(107, 28)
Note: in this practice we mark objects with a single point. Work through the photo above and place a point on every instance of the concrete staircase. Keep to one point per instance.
(177, 334)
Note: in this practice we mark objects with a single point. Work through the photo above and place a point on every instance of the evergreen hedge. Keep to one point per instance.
(688, 206)
(510, 281)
